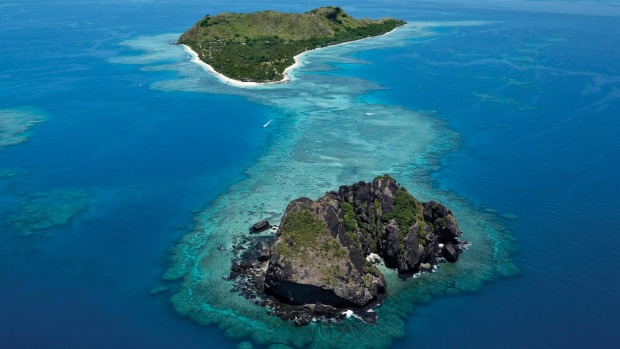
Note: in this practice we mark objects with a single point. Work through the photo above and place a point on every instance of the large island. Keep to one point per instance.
(258, 47)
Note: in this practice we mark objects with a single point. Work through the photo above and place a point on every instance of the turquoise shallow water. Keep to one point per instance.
(326, 136)
(125, 150)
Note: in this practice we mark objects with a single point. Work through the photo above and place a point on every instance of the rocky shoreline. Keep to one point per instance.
(320, 265)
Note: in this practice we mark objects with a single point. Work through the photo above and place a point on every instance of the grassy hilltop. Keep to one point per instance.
(259, 46)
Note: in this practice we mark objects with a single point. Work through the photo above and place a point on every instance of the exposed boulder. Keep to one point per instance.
(412, 253)
(260, 226)
(263, 252)
(444, 223)
(391, 246)
(450, 253)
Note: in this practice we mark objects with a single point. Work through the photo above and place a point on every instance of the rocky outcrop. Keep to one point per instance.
(319, 262)
(450, 252)
(259, 227)
(316, 260)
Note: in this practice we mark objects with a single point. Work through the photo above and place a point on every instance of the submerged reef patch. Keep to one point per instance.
(42, 211)
(323, 135)
(15, 123)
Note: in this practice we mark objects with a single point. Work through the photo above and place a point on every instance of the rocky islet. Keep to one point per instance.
(321, 263)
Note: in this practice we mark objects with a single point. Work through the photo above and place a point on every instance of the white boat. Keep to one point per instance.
(267, 124)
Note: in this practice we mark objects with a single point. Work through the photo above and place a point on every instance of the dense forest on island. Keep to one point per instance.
(259, 46)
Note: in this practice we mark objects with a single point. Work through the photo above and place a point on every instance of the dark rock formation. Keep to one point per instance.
(316, 266)
(260, 226)
(450, 252)
(315, 259)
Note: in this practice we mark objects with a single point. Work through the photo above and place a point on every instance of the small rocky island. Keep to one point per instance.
(321, 263)
(258, 47)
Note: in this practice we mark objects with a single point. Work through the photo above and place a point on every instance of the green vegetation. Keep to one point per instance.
(407, 211)
(330, 275)
(300, 230)
(350, 219)
(385, 177)
(259, 46)
(369, 268)
(333, 249)
(351, 223)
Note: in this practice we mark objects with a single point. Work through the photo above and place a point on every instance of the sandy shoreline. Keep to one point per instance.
(196, 59)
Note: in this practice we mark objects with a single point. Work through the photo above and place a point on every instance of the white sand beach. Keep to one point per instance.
(287, 76)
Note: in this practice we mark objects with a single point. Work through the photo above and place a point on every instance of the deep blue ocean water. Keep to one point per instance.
(533, 96)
